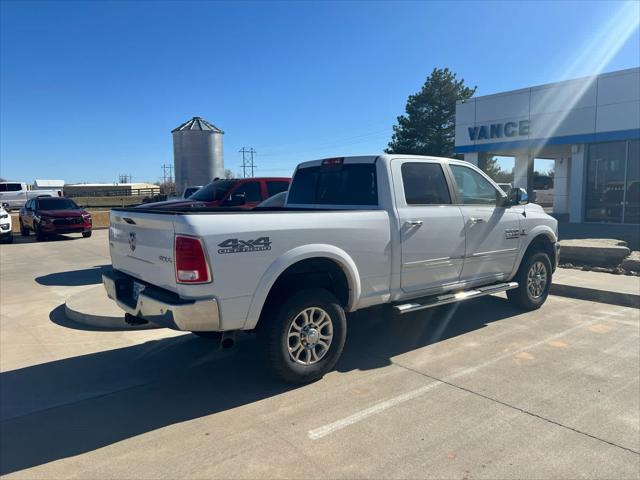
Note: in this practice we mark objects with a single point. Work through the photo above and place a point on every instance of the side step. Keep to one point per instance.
(447, 298)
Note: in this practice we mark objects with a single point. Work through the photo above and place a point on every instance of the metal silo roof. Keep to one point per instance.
(197, 123)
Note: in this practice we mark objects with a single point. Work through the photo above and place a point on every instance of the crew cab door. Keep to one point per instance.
(492, 231)
(432, 234)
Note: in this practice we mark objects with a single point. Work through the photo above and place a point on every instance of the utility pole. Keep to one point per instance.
(166, 167)
(247, 160)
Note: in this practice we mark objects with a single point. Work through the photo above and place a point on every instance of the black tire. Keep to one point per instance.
(86, 234)
(10, 238)
(40, 237)
(522, 297)
(274, 340)
(24, 231)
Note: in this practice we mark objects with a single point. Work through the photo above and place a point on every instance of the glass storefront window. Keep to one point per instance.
(605, 182)
(613, 182)
(632, 201)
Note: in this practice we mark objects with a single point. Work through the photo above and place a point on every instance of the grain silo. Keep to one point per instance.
(197, 153)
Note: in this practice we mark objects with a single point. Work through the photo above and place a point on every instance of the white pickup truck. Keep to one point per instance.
(415, 232)
(13, 195)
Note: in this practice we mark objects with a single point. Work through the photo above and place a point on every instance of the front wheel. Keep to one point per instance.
(40, 236)
(24, 231)
(86, 234)
(305, 336)
(534, 280)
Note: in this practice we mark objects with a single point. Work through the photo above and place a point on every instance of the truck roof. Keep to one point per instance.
(385, 157)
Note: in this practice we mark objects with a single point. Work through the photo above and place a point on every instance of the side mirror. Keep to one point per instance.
(236, 199)
(517, 196)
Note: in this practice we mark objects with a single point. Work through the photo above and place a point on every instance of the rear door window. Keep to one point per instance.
(425, 184)
(14, 187)
(343, 184)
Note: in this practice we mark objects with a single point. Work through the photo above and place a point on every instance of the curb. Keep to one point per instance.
(595, 295)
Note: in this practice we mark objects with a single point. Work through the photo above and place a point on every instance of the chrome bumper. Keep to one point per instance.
(162, 307)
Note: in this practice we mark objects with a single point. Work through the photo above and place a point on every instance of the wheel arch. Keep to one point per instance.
(539, 238)
(301, 256)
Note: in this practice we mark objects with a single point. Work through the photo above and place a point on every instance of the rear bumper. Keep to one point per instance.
(161, 306)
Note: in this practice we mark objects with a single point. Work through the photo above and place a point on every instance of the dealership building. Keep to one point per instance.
(589, 127)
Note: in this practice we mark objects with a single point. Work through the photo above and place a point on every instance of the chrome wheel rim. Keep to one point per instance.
(310, 335)
(537, 280)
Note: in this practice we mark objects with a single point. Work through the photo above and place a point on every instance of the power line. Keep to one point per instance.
(247, 160)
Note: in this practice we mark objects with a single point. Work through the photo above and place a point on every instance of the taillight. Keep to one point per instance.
(190, 261)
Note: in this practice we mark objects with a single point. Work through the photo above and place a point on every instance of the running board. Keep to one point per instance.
(455, 297)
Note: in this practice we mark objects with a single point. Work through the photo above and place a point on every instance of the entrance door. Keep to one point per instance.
(492, 231)
(431, 227)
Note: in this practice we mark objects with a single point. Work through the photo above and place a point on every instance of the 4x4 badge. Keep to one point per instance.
(235, 245)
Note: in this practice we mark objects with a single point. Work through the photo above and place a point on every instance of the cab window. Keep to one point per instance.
(473, 188)
(274, 187)
(424, 184)
(251, 191)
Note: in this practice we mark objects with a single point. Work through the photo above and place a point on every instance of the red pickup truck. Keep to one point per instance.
(244, 193)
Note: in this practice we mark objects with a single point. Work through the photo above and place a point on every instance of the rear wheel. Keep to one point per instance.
(303, 339)
(534, 280)
(86, 234)
(24, 231)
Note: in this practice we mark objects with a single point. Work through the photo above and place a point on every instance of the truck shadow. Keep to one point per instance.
(76, 405)
(74, 278)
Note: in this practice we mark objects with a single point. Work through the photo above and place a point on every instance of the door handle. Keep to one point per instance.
(474, 220)
(413, 223)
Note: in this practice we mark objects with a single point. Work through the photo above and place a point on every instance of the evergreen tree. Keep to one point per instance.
(428, 128)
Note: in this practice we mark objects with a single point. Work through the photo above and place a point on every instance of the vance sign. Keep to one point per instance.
(499, 130)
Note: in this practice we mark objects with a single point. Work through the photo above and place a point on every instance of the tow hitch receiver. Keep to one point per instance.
(133, 320)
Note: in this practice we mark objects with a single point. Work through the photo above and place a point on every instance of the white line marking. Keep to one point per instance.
(329, 428)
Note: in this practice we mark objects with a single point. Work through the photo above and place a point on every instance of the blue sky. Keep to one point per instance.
(89, 90)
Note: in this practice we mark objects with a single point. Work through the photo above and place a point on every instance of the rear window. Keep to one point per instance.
(345, 184)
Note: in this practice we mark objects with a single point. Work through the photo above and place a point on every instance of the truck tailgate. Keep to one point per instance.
(141, 245)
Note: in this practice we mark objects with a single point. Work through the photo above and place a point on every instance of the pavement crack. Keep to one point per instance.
(515, 407)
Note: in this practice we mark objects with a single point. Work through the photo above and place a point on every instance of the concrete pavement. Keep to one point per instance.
(478, 390)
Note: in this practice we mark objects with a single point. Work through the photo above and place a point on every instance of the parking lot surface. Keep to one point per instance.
(478, 390)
